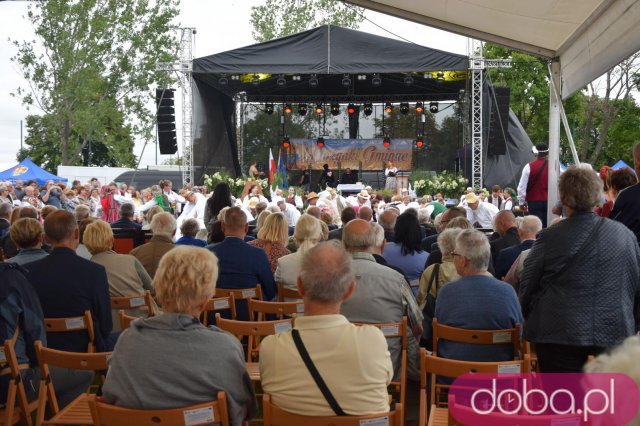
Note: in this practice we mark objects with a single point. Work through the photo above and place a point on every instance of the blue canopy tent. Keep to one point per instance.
(620, 164)
(27, 170)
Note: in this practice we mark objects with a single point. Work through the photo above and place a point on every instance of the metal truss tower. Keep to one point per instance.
(186, 81)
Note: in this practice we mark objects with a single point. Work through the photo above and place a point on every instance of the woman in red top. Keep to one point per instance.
(272, 237)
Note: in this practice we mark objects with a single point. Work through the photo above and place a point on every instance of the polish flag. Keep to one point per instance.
(272, 166)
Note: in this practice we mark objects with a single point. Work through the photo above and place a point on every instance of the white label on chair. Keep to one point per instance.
(381, 421)
(501, 337)
(220, 304)
(3, 357)
(390, 330)
(198, 416)
(282, 327)
(136, 301)
(248, 293)
(73, 323)
(508, 368)
(300, 308)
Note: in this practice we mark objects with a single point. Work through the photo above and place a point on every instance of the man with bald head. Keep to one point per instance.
(365, 213)
(241, 265)
(314, 211)
(387, 219)
(627, 206)
(381, 295)
(505, 226)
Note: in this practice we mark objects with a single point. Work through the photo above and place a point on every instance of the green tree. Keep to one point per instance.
(279, 18)
(90, 73)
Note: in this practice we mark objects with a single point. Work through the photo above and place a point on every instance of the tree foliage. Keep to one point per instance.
(279, 18)
(90, 72)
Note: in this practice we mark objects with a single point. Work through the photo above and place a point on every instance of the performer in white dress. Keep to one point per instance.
(194, 209)
(390, 172)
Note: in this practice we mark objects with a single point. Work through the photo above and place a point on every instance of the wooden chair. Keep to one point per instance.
(530, 356)
(104, 414)
(77, 412)
(394, 330)
(253, 331)
(125, 240)
(478, 337)
(259, 308)
(12, 414)
(286, 293)
(217, 304)
(241, 293)
(274, 416)
(435, 367)
(62, 325)
(136, 301)
(125, 320)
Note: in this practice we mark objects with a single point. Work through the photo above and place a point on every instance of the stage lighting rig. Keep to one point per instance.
(368, 109)
(285, 142)
(281, 81)
(320, 142)
(335, 109)
(386, 142)
(408, 80)
(433, 107)
(313, 80)
(419, 142)
(351, 109)
(419, 107)
(288, 109)
(223, 81)
(346, 80)
(376, 80)
(388, 107)
(268, 108)
(302, 109)
(319, 109)
(404, 108)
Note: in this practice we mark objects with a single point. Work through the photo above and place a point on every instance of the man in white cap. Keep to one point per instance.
(533, 186)
(479, 213)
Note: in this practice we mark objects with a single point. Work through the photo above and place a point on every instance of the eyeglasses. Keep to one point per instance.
(454, 254)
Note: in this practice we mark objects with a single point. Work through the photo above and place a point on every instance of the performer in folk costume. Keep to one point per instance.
(390, 172)
(534, 182)
(110, 208)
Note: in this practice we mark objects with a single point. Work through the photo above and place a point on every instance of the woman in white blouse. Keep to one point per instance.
(390, 172)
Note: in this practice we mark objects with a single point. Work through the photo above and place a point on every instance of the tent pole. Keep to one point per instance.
(565, 122)
(554, 138)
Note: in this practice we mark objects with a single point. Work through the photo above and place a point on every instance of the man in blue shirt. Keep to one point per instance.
(241, 265)
(476, 301)
(51, 195)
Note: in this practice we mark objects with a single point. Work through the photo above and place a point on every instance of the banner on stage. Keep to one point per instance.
(370, 153)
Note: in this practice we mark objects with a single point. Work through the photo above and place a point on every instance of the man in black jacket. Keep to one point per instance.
(626, 210)
(505, 226)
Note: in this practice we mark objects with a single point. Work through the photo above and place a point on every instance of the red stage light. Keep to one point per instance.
(419, 107)
(386, 142)
(286, 143)
(319, 109)
(419, 143)
(288, 109)
(320, 142)
(351, 109)
(388, 107)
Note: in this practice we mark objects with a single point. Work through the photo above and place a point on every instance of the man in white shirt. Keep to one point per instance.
(194, 209)
(479, 213)
(356, 378)
(289, 211)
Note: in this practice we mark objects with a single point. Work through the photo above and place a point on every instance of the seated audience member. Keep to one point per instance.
(514, 275)
(347, 215)
(46, 211)
(306, 235)
(126, 275)
(381, 295)
(241, 265)
(26, 234)
(405, 251)
(216, 235)
(163, 227)
(447, 216)
(150, 368)
(67, 285)
(82, 212)
(260, 207)
(626, 208)
(528, 229)
(314, 211)
(5, 218)
(272, 237)
(365, 213)
(148, 217)
(479, 213)
(20, 307)
(507, 231)
(82, 249)
(260, 221)
(378, 248)
(387, 219)
(9, 248)
(189, 230)
(435, 256)
(127, 211)
(581, 281)
(357, 378)
(476, 301)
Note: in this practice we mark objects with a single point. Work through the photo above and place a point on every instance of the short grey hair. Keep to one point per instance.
(580, 189)
(190, 227)
(378, 231)
(82, 212)
(354, 242)
(326, 273)
(163, 224)
(423, 216)
(127, 209)
(530, 225)
(447, 240)
(387, 220)
(474, 245)
(5, 209)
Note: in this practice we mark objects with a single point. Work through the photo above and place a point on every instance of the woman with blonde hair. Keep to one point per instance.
(272, 237)
(126, 275)
(193, 362)
(307, 234)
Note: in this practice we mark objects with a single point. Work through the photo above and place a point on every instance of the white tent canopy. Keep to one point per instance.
(588, 37)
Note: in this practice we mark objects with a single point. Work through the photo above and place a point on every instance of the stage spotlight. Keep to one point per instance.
(433, 107)
(408, 80)
(362, 77)
(319, 109)
(335, 109)
(419, 108)
(404, 108)
(368, 109)
(351, 109)
(302, 109)
(427, 75)
(376, 80)
(296, 78)
(320, 142)
(285, 142)
(386, 142)
(288, 109)
(388, 107)
(223, 81)
(313, 81)
(419, 142)
(440, 77)
(346, 80)
(281, 81)
(235, 77)
(268, 108)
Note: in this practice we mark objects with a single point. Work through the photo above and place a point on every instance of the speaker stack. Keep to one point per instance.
(166, 121)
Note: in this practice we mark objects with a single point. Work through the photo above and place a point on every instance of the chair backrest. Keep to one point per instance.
(62, 325)
(125, 320)
(15, 388)
(200, 414)
(217, 304)
(274, 416)
(124, 240)
(286, 293)
(480, 337)
(134, 301)
(97, 361)
(241, 293)
(259, 308)
(253, 331)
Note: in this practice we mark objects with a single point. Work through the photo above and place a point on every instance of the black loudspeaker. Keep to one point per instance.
(166, 121)
(499, 121)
